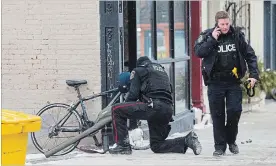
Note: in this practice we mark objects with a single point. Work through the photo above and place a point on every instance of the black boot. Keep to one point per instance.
(191, 140)
(119, 149)
(218, 152)
(233, 148)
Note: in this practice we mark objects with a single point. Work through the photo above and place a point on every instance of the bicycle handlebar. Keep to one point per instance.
(110, 91)
(101, 94)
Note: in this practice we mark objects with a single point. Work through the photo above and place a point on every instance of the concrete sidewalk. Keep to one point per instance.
(258, 126)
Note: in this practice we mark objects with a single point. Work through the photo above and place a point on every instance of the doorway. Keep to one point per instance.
(157, 29)
(161, 31)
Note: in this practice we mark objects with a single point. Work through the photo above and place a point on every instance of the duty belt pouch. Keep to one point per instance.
(147, 100)
(205, 76)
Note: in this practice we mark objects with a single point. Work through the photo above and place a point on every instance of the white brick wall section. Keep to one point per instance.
(45, 42)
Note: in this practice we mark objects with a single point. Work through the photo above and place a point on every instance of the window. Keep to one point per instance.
(180, 44)
(163, 23)
(180, 37)
(181, 87)
(161, 50)
(143, 11)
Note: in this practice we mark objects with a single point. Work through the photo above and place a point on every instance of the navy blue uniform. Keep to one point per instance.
(150, 98)
(219, 58)
(207, 47)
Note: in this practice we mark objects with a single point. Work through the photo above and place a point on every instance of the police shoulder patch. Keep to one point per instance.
(132, 74)
(200, 38)
(205, 31)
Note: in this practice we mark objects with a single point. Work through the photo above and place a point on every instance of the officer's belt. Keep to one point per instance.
(149, 100)
(223, 76)
(146, 99)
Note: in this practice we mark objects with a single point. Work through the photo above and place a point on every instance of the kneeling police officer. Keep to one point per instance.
(150, 85)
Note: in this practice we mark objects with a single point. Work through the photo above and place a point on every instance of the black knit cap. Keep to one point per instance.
(142, 60)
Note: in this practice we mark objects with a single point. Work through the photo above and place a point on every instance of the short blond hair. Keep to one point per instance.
(221, 15)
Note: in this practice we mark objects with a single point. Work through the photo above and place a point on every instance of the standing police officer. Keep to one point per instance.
(225, 53)
(151, 86)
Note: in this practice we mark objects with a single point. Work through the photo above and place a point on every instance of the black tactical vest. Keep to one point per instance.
(227, 57)
(156, 82)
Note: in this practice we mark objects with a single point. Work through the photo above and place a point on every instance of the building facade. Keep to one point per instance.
(45, 43)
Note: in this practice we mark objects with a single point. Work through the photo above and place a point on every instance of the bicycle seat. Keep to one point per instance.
(75, 82)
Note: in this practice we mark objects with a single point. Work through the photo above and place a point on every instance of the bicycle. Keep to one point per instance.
(83, 122)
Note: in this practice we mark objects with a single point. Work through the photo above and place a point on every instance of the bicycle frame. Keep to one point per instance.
(104, 117)
(81, 101)
(84, 116)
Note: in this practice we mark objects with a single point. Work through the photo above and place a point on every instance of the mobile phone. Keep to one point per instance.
(216, 25)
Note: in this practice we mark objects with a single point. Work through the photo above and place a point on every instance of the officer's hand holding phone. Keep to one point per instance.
(216, 32)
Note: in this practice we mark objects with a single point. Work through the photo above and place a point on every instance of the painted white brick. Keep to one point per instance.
(33, 21)
(45, 42)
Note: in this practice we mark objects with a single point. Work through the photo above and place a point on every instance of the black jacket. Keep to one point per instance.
(145, 84)
(206, 48)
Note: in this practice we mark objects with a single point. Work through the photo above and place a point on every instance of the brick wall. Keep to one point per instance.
(45, 42)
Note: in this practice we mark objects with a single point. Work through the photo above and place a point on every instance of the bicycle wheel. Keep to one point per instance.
(51, 131)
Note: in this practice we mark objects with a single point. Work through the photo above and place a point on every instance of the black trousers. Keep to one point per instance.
(158, 119)
(217, 93)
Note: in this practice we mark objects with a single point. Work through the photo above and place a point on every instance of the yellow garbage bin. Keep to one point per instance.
(15, 128)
